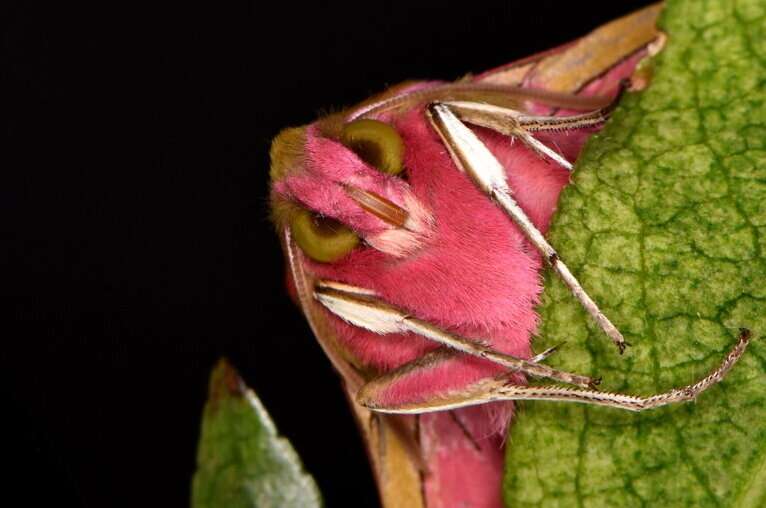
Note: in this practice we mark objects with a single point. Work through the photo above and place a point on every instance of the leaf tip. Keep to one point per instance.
(225, 382)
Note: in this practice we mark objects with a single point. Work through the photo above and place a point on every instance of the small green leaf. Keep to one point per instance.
(242, 461)
(665, 226)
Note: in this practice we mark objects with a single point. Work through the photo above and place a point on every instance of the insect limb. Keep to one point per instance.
(545, 354)
(371, 392)
(303, 283)
(474, 158)
(508, 122)
(514, 123)
(476, 92)
(359, 308)
(541, 149)
(537, 123)
(498, 389)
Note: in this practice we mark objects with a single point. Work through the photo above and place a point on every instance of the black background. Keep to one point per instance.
(136, 247)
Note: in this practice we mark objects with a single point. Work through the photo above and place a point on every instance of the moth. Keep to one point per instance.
(413, 226)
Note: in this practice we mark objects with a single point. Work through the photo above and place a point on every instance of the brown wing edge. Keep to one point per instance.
(570, 67)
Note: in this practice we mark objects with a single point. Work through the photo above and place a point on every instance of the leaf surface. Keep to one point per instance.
(241, 460)
(665, 226)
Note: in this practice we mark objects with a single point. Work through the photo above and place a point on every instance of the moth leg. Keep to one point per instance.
(537, 123)
(499, 389)
(374, 392)
(545, 354)
(473, 158)
(514, 123)
(361, 308)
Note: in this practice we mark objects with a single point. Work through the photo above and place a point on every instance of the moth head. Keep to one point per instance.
(340, 185)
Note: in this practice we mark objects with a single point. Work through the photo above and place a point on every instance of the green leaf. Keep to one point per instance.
(242, 461)
(665, 225)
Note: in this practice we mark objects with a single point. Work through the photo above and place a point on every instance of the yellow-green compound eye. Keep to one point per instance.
(321, 238)
(376, 143)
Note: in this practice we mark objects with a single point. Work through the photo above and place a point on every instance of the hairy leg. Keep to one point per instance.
(499, 389)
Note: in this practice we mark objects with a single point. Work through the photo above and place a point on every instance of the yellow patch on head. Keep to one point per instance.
(287, 151)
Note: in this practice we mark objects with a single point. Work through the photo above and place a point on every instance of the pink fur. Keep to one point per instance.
(442, 377)
(319, 187)
(463, 472)
(476, 275)
(473, 273)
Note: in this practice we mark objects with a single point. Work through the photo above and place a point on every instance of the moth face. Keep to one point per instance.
(379, 204)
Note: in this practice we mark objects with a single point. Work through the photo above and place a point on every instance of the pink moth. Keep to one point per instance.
(413, 229)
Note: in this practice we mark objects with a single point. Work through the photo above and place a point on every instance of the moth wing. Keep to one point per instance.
(390, 440)
(569, 68)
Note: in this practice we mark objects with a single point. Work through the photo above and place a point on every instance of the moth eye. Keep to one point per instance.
(376, 143)
(321, 238)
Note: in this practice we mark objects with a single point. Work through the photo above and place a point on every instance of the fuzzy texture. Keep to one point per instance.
(467, 469)
(465, 267)
(475, 274)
